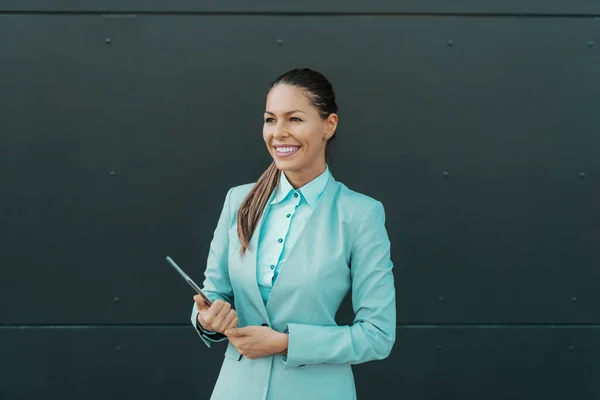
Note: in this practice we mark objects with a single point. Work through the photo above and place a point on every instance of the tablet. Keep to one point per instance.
(189, 280)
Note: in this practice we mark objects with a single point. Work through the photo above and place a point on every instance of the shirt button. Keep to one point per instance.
(280, 240)
(289, 215)
(295, 194)
(272, 267)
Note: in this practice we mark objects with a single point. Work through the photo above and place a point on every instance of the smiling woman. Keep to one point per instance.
(298, 123)
(286, 251)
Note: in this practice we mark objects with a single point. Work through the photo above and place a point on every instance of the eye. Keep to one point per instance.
(295, 119)
(268, 120)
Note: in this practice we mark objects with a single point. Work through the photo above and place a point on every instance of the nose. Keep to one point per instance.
(279, 131)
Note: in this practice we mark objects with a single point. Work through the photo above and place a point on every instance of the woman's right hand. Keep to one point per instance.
(216, 318)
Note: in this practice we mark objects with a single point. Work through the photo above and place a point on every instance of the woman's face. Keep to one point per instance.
(295, 133)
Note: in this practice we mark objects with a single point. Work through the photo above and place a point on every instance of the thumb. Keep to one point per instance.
(235, 332)
(200, 303)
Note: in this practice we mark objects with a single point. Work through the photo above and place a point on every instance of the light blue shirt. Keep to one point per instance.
(285, 216)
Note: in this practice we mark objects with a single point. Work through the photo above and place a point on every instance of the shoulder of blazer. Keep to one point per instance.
(355, 202)
(354, 206)
(237, 196)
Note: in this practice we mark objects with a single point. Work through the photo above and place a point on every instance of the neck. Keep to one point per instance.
(301, 177)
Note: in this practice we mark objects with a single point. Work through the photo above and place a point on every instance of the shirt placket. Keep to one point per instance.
(289, 214)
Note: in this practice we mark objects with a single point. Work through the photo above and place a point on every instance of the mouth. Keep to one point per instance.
(286, 151)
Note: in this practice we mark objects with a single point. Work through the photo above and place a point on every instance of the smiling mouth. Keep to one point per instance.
(286, 151)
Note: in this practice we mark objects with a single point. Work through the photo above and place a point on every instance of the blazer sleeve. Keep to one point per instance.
(216, 284)
(373, 331)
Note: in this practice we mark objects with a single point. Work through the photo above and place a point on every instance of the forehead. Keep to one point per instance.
(283, 98)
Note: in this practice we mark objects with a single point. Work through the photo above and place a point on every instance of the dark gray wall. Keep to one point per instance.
(123, 124)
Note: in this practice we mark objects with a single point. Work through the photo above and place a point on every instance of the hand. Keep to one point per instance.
(216, 318)
(257, 341)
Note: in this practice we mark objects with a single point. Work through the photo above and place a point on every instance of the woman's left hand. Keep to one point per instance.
(257, 341)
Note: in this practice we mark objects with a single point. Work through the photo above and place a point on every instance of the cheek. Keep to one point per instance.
(314, 142)
(310, 136)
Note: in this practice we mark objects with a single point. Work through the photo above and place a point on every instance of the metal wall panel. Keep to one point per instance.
(120, 135)
(506, 110)
(548, 7)
(107, 363)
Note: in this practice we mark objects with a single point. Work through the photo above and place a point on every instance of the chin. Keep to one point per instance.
(286, 166)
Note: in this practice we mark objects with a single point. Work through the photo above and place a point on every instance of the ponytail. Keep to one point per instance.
(254, 204)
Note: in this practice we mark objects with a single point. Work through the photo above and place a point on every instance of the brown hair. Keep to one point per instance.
(322, 96)
(254, 204)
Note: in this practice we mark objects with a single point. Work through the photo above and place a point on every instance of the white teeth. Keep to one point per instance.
(286, 149)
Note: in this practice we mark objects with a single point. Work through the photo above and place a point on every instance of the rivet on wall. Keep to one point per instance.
(113, 172)
(279, 42)
(582, 175)
(574, 298)
(590, 44)
(441, 298)
(118, 348)
(439, 346)
(445, 173)
(450, 42)
(107, 41)
(571, 348)
(117, 299)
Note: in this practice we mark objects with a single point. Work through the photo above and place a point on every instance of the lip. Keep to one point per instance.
(280, 154)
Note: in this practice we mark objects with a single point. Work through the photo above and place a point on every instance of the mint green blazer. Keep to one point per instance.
(344, 247)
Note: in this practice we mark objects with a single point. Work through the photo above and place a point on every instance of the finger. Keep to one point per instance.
(220, 317)
(231, 320)
(234, 322)
(234, 332)
(218, 304)
(214, 310)
(203, 323)
(200, 303)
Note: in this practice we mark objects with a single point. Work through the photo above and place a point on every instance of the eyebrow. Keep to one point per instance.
(287, 113)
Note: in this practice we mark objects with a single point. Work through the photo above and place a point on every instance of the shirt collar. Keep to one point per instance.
(311, 192)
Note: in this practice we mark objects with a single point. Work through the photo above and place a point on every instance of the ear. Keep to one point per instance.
(331, 125)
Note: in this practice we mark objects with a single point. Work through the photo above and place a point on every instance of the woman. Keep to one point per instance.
(286, 251)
